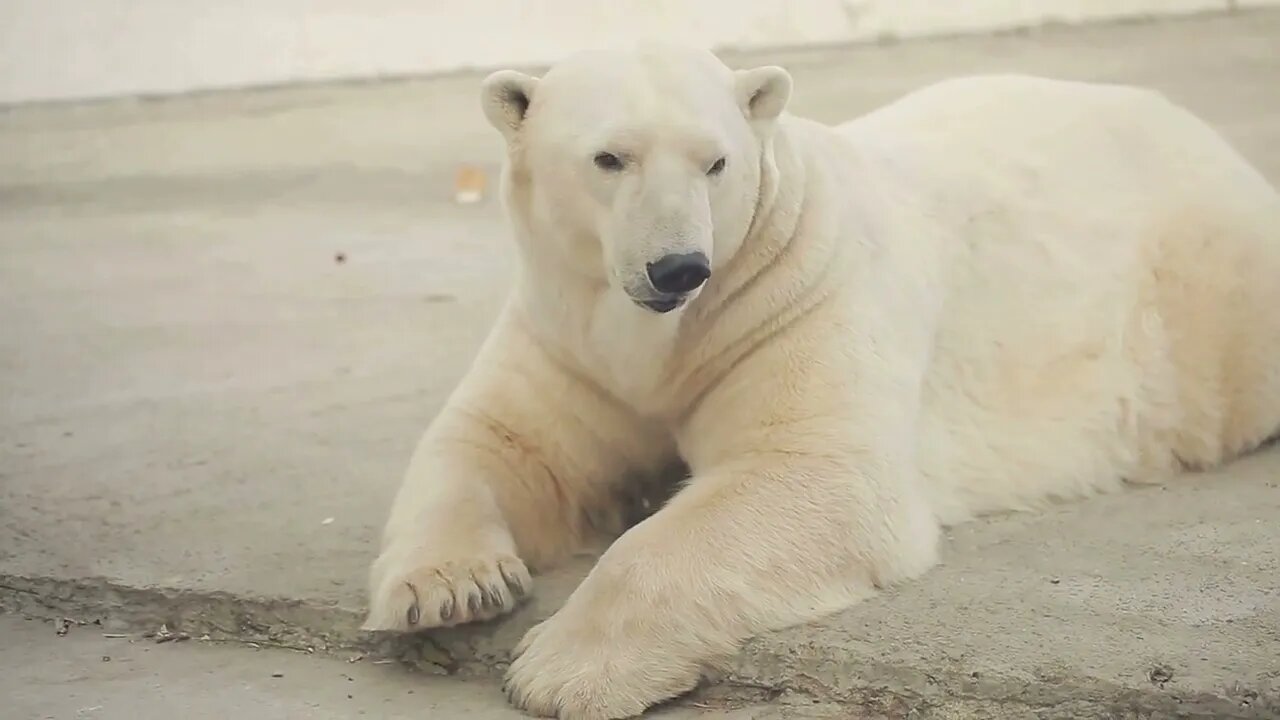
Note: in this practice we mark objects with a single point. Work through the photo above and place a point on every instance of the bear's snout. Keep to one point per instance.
(679, 273)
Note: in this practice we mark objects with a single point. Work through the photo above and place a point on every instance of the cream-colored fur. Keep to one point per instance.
(992, 293)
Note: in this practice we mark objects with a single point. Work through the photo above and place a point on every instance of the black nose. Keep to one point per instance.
(679, 273)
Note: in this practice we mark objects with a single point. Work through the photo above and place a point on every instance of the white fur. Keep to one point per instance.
(993, 293)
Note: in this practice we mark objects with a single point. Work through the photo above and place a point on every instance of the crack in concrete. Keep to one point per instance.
(825, 687)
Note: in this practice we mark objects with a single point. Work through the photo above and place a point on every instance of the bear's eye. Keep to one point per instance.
(716, 167)
(608, 161)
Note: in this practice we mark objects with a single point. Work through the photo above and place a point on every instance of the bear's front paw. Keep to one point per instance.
(570, 669)
(415, 589)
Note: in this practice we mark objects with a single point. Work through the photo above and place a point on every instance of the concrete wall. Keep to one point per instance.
(61, 49)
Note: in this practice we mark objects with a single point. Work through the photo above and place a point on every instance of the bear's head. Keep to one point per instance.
(640, 170)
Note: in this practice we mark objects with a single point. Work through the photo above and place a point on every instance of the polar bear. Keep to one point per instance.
(992, 293)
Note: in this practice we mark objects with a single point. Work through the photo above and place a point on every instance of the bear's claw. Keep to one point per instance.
(418, 595)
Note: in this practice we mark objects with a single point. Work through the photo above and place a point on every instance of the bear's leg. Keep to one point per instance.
(516, 471)
(744, 549)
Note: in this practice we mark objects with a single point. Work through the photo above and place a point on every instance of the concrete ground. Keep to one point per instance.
(88, 674)
(225, 319)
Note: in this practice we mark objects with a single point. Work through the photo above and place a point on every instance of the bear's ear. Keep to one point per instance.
(763, 92)
(505, 96)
